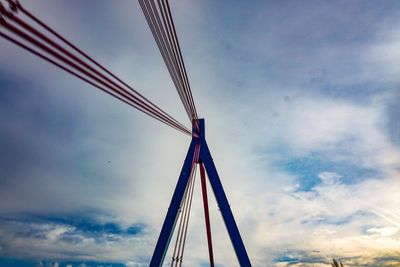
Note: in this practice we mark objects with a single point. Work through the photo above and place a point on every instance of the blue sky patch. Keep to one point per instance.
(294, 257)
(287, 259)
(82, 225)
(308, 168)
(7, 262)
(90, 226)
(135, 229)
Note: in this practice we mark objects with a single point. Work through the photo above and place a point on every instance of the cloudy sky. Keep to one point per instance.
(302, 108)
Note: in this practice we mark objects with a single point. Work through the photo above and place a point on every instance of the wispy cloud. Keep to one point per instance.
(395, 223)
(302, 119)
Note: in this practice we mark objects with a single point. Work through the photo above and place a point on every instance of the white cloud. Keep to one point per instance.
(384, 231)
(251, 121)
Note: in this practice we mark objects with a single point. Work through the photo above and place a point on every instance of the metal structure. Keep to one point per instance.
(204, 158)
(22, 28)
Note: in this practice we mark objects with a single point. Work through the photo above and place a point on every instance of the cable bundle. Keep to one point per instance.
(159, 18)
(184, 213)
(30, 33)
(46, 43)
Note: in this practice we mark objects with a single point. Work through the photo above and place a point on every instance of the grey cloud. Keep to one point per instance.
(67, 147)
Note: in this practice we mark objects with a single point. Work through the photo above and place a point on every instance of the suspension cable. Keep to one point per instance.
(52, 52)
(177, 257)
(156, 27)
(206, 214)
(74, 47)
(161, 24)
(172, 31)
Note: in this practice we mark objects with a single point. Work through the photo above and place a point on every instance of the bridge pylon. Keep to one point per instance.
(198, 148)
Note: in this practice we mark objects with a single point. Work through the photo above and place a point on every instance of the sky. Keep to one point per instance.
(301, 104)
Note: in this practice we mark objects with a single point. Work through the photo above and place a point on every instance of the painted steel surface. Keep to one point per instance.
(171, 217)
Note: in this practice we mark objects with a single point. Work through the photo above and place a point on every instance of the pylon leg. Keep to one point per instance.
(224, 207)
(170, 219)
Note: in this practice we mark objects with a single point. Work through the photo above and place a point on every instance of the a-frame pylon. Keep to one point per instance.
(199, 142)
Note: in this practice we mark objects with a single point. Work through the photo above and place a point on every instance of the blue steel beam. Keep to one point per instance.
(170, 219)
(223, 204)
